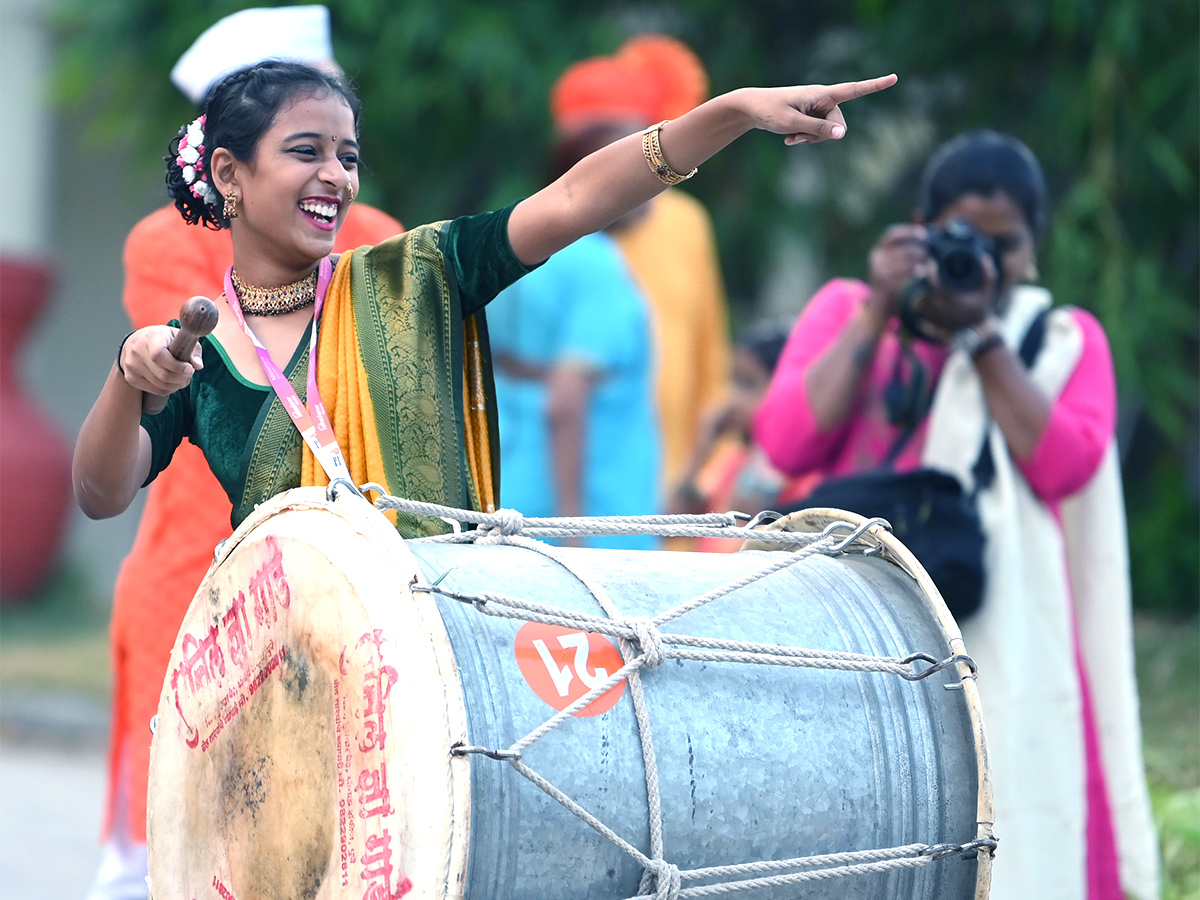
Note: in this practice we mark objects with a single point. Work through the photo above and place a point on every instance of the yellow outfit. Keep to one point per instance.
(673, 257)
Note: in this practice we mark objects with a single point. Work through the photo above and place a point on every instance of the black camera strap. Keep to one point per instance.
(908, 394)
(984, 469)
(910, 322)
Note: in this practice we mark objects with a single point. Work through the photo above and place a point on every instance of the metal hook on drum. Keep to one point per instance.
(765, 517)
(855, 533)
(937, 666)
(331, 492)
(969, 850)
(461, 749)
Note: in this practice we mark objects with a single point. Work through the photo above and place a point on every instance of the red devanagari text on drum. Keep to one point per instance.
(251, 620)
(361, 696)
(376, 687)
(374, 799)
(377, 869)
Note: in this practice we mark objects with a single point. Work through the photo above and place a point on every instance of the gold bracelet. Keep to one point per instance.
(652, 150)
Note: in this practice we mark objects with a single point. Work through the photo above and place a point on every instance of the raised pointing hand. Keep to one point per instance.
(809, 114)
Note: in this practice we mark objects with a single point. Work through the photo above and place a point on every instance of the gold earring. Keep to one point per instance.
(230, 207)
(349, 192)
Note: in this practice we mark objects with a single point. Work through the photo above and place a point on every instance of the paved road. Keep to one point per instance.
(51, 803)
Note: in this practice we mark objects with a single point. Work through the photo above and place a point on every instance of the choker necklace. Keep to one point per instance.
(258, 301)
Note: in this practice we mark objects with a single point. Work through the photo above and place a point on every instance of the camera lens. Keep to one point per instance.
(960, 270)
(958, 250)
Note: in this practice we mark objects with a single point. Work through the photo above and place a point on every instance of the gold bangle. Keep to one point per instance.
(652, 150)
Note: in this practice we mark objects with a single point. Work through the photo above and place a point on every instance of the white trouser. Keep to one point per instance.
(123, 861)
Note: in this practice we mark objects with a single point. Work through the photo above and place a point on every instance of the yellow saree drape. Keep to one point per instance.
(386, 375)
(342, 381)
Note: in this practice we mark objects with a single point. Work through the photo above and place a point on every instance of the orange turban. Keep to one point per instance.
(682, 81)
(652, 77)
(602, 89)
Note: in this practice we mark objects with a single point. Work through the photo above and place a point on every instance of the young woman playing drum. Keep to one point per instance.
(401, 395)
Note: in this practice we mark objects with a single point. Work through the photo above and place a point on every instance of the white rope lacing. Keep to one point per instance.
(509, 522)
(645, 646)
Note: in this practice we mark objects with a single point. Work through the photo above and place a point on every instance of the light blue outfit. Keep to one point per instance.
(581, 305)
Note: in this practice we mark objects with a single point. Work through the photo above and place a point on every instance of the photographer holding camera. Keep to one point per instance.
(950, 380)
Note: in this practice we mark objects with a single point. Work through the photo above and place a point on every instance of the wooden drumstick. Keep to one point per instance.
(196, 319)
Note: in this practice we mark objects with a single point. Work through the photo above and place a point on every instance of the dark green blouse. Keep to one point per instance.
(219, 411)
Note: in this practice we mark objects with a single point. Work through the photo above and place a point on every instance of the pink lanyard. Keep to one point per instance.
(312, 421)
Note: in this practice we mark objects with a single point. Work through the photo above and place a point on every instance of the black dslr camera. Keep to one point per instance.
(958, 249)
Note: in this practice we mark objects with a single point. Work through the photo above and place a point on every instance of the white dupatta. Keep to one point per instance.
(1024, 636)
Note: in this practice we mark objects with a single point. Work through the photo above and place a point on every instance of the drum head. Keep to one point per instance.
(304, 673)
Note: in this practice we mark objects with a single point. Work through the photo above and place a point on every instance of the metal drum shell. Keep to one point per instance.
(891, 762)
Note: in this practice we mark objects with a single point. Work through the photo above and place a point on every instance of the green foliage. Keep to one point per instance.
(1168, 673)
(1177, 814)
(1104, 91)
(1162, 536)
(1167, 649)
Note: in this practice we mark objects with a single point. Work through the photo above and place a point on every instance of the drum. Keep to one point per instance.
(349, 714)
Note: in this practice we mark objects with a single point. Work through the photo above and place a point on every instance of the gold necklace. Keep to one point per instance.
(258, 301)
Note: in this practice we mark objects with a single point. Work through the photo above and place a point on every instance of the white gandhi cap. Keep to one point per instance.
(293, 33)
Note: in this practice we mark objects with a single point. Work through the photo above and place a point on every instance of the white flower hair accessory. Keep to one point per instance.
(190, 158)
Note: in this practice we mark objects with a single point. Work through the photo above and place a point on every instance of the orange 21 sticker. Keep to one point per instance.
(562, 664)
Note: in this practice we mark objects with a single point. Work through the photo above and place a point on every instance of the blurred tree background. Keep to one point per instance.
(1104, 91)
